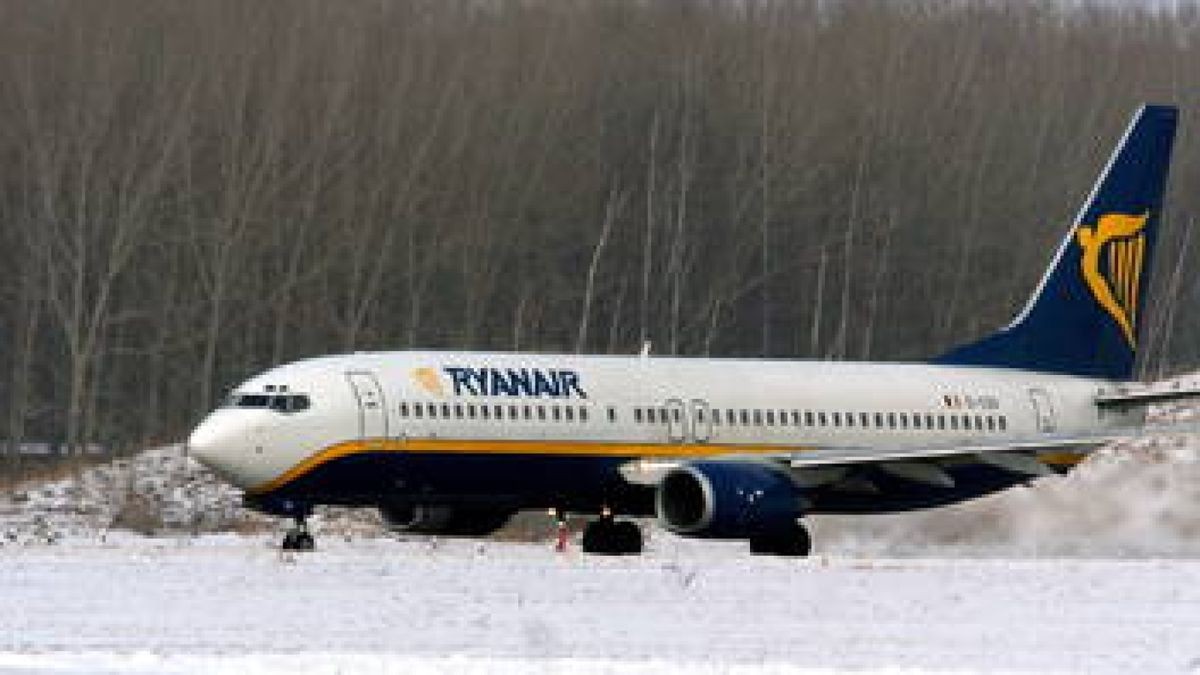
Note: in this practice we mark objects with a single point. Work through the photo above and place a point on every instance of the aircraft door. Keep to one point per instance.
(701, 414)
(676, 424)
(1043, 410)
(372, 409)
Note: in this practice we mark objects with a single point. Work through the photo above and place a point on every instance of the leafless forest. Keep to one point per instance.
(192, 191)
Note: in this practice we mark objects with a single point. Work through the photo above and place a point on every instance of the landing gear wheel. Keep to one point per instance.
(299, 538)
(790, 540)
(610, 537)
(628, 536)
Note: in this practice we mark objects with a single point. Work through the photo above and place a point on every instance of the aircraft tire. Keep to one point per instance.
(628, 536)
(791, 541)
(608, 537)
(298, 541)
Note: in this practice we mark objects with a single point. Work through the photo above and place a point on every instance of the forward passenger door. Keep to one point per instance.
(372, 408)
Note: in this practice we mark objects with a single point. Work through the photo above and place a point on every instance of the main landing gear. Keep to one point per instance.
(298, 538)
(790, 540)
(607, 536)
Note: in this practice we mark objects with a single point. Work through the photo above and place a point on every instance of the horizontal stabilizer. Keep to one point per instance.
(1131, 395)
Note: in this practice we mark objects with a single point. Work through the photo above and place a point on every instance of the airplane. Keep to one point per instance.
(455, 442)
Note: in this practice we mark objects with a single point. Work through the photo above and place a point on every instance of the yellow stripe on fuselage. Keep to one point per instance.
(517, 447)
(1062, 459)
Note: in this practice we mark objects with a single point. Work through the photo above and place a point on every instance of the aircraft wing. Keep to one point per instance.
(1032, 455)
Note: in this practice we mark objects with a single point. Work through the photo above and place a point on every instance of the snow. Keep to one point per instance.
(1097, 571)
(233, 603)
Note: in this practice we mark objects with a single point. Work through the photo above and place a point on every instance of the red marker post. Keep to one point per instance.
(562, 534)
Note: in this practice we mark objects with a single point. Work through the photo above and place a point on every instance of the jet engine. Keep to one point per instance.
(728, 500)
(443, 519)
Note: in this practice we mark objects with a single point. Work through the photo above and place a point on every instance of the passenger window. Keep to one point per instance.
(446, 411)
(528, 410)
(1002, 422)
(903, 421)
(483, 412)
(849, 419)
(928, 421)
(433, 411)
(770, 418)
(458, 410)
(821, 418)
(745, 417)
(716, 418)
(954, 422)
(731, 417)
(569, 413)
(676, 415)
(583, 414)
(879, 420)
(978, 423)
(991, 423)
(471, 411)
(891, 420)
(916, 419)
(514, 413)
(941, 422)
(404, 410)
(541, 413)
(757, 418)
(809, 420)
(612, 414)
(651, 415)
(417, 410)
(555, 413)
(864, 419)
(966, 422)
(637, 415)
(837, 419)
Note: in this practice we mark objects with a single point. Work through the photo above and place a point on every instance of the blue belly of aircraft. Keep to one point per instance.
(577, 483)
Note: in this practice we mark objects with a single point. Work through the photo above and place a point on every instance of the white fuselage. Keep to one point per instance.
(618, 406)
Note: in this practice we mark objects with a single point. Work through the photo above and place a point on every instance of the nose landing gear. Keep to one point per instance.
(298, 538)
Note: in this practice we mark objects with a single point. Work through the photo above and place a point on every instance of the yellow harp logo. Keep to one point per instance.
(1118, 242)
(428, 380)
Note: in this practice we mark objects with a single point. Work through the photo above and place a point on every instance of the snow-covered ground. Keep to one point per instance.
(233, 603)
(1096, 571)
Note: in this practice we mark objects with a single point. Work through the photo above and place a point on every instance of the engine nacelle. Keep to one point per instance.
(727, 500)
(442, 519)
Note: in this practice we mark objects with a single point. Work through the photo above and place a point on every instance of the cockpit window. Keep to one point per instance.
(249, 401)
(284, 403)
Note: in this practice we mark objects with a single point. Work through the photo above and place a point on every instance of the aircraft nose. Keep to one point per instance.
(217, 444)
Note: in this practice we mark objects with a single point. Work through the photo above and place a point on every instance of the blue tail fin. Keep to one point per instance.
(1084, 317)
